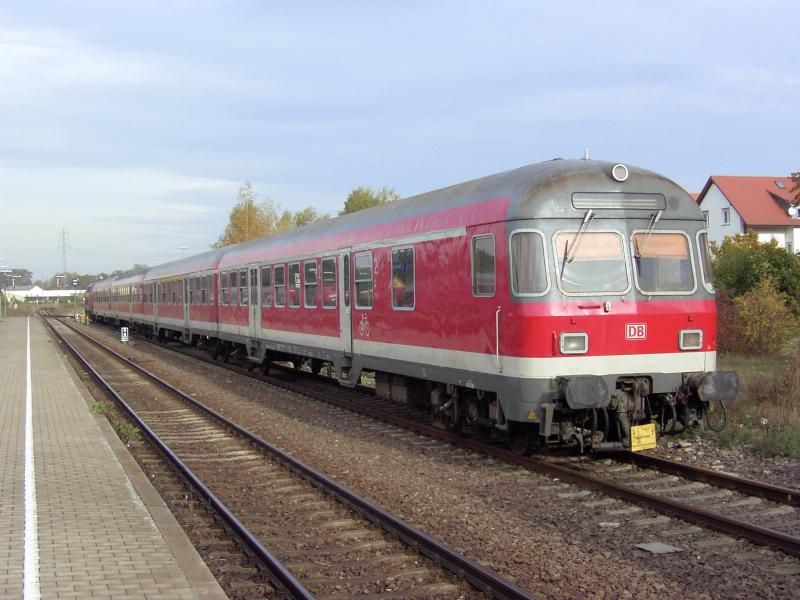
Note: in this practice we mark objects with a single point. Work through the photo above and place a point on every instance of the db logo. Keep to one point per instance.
(635, 331)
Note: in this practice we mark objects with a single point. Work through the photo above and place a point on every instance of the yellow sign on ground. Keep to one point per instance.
(643, 437)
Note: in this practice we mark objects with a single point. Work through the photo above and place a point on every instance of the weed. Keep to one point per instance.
(98, 408)
(766, 414)
(126, 431)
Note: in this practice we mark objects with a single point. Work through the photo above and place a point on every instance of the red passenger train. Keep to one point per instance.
(557, 303)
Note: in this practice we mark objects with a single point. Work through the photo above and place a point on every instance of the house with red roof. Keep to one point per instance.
(734, 204)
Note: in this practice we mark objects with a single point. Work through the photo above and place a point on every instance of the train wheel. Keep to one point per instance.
(519, 439)
(477, 413)
(316, 365)
(452, 424)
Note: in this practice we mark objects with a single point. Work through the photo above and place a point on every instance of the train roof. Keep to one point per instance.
(532, 191)
(541, 190)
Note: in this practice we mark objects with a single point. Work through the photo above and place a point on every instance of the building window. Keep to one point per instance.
(726, 216)
(280, 286)
(329, 283)
(363, 280)
(403, 278)
(483, 265)
(294, 285)
(310, 281)
(705, 217)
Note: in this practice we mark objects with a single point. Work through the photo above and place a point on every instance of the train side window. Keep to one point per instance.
(242, 288)
(310, 281)
(266, 286)
(210, 286)
(223, 285)
(705, 260)
(528, 265)
(204, 290)
(280, 286)
(403, 296)
(233, 282)
(293, 286)
(328, 283)
(484, 268)
(363, 280)
(192, 287)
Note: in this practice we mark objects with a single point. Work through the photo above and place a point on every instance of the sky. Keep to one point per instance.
(131, 125)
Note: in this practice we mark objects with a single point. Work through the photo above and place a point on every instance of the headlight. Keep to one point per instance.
(691, 339)
(573, 343)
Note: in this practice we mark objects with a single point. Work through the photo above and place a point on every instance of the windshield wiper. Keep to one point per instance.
(570, 256)
(653, 220)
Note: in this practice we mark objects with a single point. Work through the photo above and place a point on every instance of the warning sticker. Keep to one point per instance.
(643, 437)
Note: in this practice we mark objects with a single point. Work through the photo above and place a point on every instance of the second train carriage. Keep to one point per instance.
(562, 302)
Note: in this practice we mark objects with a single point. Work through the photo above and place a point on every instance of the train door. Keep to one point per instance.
(345, 310)
(156, 297)
(254, 304)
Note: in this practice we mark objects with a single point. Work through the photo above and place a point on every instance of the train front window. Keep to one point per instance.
(592, 262)
(662, 262)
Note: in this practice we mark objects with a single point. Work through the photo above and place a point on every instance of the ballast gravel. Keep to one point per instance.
(545, 535)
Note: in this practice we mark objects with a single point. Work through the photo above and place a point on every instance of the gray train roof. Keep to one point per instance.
(541, 190)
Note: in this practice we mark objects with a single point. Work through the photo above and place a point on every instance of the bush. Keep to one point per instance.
(763, 318)
(742, 262)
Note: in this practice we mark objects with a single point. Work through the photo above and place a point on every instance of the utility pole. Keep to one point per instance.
(63, 244)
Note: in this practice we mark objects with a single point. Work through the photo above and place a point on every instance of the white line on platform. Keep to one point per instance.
(31, 569)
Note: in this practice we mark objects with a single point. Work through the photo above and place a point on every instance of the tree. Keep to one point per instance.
(249, 220)
(308, 215)
(365, 197)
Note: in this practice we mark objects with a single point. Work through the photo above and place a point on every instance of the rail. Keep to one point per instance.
(463, 567)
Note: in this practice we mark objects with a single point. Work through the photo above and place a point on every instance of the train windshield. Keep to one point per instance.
(593, 263)
(662, 263)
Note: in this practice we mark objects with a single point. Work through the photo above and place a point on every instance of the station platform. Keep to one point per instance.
(78, 518)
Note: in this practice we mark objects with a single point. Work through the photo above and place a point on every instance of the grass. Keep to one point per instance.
(766, 414)
(98, 408)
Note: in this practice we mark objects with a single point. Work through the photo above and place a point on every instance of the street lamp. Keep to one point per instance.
(74, 300)
(4, 271)
(183, 250)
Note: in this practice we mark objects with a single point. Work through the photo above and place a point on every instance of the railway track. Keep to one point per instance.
(315, 537)
(760, 513)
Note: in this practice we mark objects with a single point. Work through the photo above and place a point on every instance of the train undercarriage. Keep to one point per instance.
(580, 412)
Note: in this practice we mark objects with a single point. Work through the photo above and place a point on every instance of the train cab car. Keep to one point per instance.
(98, 300)
(566, 302)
